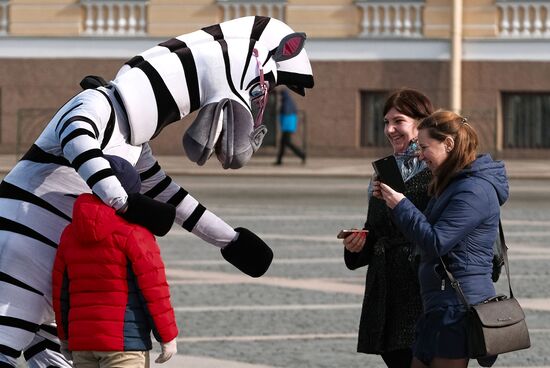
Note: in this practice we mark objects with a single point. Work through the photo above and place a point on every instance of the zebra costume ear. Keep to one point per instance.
(290, 46)
(293, 68)
(226, 128)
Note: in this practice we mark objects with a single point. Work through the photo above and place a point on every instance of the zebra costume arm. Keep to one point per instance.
(190, 214)
(240, 247)
(79, 132)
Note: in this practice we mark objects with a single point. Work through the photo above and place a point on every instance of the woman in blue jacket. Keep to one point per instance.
(460, 224)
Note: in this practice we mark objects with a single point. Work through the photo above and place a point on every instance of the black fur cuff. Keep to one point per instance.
(156, 216)
(248, 253)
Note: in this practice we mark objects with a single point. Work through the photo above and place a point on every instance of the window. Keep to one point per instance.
(526, 120)
(372, 119)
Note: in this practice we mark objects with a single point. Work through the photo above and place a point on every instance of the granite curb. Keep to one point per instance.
(314, 167)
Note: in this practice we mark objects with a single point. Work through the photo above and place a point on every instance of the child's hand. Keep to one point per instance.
(168, 349)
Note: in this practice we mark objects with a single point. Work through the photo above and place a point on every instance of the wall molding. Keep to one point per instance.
(318, 49)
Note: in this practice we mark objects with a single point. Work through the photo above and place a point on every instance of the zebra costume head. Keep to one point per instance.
(226, 72)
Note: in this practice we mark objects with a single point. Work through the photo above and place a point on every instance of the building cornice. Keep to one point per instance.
(318, 49)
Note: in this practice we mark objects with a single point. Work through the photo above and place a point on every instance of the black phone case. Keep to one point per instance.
(388, 173)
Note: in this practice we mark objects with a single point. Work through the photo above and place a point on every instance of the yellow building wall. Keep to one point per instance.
(324, 18)
(437, 18)
(318, 18)
(45, 18)
(325, 21)
(480, 19)
(172, 17)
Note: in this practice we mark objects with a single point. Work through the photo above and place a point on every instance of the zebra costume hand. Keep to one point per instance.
(248, 253)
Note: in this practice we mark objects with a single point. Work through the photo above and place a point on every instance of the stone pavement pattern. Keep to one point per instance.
(304, 312)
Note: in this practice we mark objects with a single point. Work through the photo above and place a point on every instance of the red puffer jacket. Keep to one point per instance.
(109, 283)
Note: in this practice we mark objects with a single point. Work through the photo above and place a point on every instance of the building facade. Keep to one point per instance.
(487, 59)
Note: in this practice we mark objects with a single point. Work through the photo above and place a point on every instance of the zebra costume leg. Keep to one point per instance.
(28, 234)
(43, 352)
(23, 329)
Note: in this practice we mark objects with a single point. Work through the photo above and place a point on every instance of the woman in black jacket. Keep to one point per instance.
(392, 304)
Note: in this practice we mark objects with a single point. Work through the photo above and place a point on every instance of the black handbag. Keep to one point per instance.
(496, 325)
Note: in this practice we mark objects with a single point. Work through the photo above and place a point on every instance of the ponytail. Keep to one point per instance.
(441, 125)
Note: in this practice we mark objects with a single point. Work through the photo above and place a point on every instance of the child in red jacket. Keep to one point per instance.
(109, 285)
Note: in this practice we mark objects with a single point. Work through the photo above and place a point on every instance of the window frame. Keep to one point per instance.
(529, 110)
(370, 134)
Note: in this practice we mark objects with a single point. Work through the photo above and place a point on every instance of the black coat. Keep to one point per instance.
(392, 303)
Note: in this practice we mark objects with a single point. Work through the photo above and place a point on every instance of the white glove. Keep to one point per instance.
(64, 350)
(168, 349)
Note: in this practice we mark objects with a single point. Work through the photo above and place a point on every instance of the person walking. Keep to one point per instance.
(391, 303)
(109, 285)
(458, 227)
(288, 122)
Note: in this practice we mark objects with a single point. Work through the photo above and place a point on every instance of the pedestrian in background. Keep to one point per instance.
(460, 225)
(391, 304)
(288, 123)
(109, 285)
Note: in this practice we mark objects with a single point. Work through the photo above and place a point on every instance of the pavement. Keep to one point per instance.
(314, 167)
(262, 166)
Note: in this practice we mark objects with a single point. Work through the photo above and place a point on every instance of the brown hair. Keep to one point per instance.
(409, 102)
(440, 125)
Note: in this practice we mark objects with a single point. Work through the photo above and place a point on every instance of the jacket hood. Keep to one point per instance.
(494, 172)
(92, 219)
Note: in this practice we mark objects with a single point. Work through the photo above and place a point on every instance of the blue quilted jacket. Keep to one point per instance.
(462, 225)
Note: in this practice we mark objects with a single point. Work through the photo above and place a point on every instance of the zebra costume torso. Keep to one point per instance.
(38, 194)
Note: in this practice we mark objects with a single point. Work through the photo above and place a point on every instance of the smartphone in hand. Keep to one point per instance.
(388, 172)
(345, 233)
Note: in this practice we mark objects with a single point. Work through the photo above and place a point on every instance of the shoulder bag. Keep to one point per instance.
(496, 325)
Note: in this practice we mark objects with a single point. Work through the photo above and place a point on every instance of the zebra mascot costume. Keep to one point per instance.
(224, 71)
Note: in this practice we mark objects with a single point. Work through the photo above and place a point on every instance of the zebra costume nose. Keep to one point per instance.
(226, 128)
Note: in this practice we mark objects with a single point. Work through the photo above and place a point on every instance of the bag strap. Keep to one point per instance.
(504, 249)
(456, 285)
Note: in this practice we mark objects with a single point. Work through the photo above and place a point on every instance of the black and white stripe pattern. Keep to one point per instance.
(265, 30)
(178, 83)
(190, 214)
(157, 70)
(36, 200)
(154, 89)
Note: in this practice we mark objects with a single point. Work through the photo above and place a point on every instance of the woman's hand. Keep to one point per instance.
(376, 191)
(355, 242)
(390, 196)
